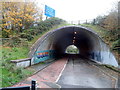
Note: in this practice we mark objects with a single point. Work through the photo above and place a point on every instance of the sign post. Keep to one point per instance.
(49, 12)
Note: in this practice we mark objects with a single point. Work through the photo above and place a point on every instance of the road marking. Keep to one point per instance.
(61, 72)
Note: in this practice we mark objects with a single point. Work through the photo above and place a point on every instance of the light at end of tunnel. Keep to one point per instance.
(75, 32)
(73, 41)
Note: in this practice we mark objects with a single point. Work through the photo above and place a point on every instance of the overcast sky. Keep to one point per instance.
(79, 9)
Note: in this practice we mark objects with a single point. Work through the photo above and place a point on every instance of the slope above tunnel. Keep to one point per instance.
(87, 41)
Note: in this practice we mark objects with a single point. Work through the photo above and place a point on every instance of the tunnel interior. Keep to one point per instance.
(79, 37)
(90, 45)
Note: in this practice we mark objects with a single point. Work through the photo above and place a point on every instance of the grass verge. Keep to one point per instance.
(10, 73)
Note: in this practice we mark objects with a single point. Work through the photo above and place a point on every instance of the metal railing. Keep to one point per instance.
(32, 87)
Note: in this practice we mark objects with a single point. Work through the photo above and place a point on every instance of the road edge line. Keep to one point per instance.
(61, 71)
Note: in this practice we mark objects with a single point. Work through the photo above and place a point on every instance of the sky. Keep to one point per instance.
(74, 10)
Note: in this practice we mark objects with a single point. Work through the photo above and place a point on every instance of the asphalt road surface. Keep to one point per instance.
(79, 73)
(72, 73)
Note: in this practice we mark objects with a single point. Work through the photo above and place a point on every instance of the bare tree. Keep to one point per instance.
(111, 21)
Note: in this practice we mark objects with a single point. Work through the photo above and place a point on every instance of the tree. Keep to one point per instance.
(111, 21)
(99, 20)
(18, 16)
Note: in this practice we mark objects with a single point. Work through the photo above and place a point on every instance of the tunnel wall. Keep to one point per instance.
(60, 38)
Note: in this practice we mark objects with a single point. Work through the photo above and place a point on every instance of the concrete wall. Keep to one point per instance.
(22, 62)
(89, 43)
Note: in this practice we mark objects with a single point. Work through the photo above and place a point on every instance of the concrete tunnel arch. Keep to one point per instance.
(87, 41)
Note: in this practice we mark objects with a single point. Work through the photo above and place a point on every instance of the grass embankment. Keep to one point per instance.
(108, 37)
(99, 30)
(12, 74)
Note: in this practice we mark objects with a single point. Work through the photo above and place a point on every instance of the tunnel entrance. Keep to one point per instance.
(89, 44)
(72, 49)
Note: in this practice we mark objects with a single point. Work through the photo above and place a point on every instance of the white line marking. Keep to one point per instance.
(61, 72)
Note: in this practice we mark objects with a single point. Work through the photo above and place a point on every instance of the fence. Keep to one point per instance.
(82, 21)
(32, 87)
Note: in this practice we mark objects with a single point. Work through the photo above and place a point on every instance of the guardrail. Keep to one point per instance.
(32, 87)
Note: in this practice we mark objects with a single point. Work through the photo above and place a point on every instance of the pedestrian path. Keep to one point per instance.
(46, 78)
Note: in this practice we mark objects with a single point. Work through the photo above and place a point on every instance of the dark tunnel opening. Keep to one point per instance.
(80, 38)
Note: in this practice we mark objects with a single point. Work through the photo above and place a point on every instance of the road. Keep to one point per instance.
(71, 73)
(79, 73)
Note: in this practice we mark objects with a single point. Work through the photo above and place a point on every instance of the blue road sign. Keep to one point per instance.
(49, 12)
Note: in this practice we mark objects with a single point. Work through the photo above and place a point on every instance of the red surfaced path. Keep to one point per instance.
(49, 74)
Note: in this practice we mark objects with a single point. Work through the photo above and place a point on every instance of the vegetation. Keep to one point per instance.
(72, 50)
(17, 17)
(13, 53)
(10, 73)
(28, 35)
(17, 47)
(21, 26)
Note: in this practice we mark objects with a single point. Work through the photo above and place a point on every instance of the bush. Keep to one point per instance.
(116, 46)
(49, 23)
(14, 41)
(27, 36)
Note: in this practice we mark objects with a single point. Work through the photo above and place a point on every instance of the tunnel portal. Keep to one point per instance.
(86, 40)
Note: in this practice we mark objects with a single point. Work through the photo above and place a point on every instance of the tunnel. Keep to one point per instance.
(90, 45)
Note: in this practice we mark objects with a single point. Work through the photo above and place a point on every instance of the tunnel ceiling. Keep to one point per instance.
(87, 41)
